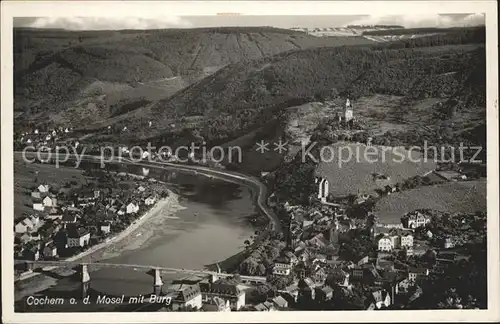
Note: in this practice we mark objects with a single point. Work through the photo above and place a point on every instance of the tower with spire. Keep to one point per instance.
(289, 238)
(348, 112)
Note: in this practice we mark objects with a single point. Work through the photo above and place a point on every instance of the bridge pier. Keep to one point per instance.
(29, 266)
(85, 280)
(157, 282)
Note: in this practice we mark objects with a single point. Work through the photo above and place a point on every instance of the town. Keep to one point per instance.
(216, 166)
(334, 253)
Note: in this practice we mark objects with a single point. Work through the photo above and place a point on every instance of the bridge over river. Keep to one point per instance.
(84, 270)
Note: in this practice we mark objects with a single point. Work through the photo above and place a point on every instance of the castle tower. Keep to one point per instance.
(348, 112)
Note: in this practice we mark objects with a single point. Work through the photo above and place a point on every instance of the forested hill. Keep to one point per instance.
(53, 67)
(242, 95)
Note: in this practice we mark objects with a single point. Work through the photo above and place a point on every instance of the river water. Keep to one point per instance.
(211, 225)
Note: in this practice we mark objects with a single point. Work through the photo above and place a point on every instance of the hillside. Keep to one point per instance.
(241, 96)
(453, 197)
(348, 175)
(68, 76)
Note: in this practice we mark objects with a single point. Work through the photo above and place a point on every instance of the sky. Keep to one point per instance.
(106, 23)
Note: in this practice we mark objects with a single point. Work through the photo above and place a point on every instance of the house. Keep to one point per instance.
(260, 308)
(448, 243)
(216, 305)
(35, 220)
(282, 265)
(49, 201)
(78, 238)
(320, 258)
(306, 289)
(384, 264)
(318, 241)
(141, 189)
(32, 253)
(26, 225)
(69, 218)
(186, 296)
(378, 299)
(417, 274)
(150, 200)
(319, 276)
(265, 307)
(344, 225)
(293, 259)
(22, 227)
(38, 207)
(105, 228)
(291, 292)
(43, 188)
(97, 194)
(415, 219)
(404, 285)
(50, 251)
(228, 292)
(385, 243)
(406, 240)
(324, 294)
(305, 255)
(367, 273)
(132, 208)
(36, 194)
(280, 302)
(339, 277)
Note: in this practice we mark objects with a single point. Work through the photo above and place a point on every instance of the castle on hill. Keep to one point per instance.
(347, 115)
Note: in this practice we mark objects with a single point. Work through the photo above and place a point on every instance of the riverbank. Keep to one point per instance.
(35, 281)
(187, 230)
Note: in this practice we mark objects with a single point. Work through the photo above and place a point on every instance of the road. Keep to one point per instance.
(230, 176)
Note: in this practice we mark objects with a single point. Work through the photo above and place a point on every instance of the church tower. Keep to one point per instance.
(348, 112)
(289, 238)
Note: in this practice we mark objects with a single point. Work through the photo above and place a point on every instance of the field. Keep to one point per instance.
(24, 181)
(452, 197)
(356, 173)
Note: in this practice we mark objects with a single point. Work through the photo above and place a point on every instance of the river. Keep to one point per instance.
(210, 224)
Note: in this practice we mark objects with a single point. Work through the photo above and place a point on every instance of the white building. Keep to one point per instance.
(38, 206)
(105, 228)
(49, 202)
(282, 265)
(150, 200)
(43, 188)
(187, 296)
(50, 250)
(132, 208)
(348, 112)
(26, 225)
(415, 219)
(78, 238)
(385, 244)
(406, 240)
(322, 188)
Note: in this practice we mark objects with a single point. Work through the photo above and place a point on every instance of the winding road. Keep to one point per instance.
(225, 175)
